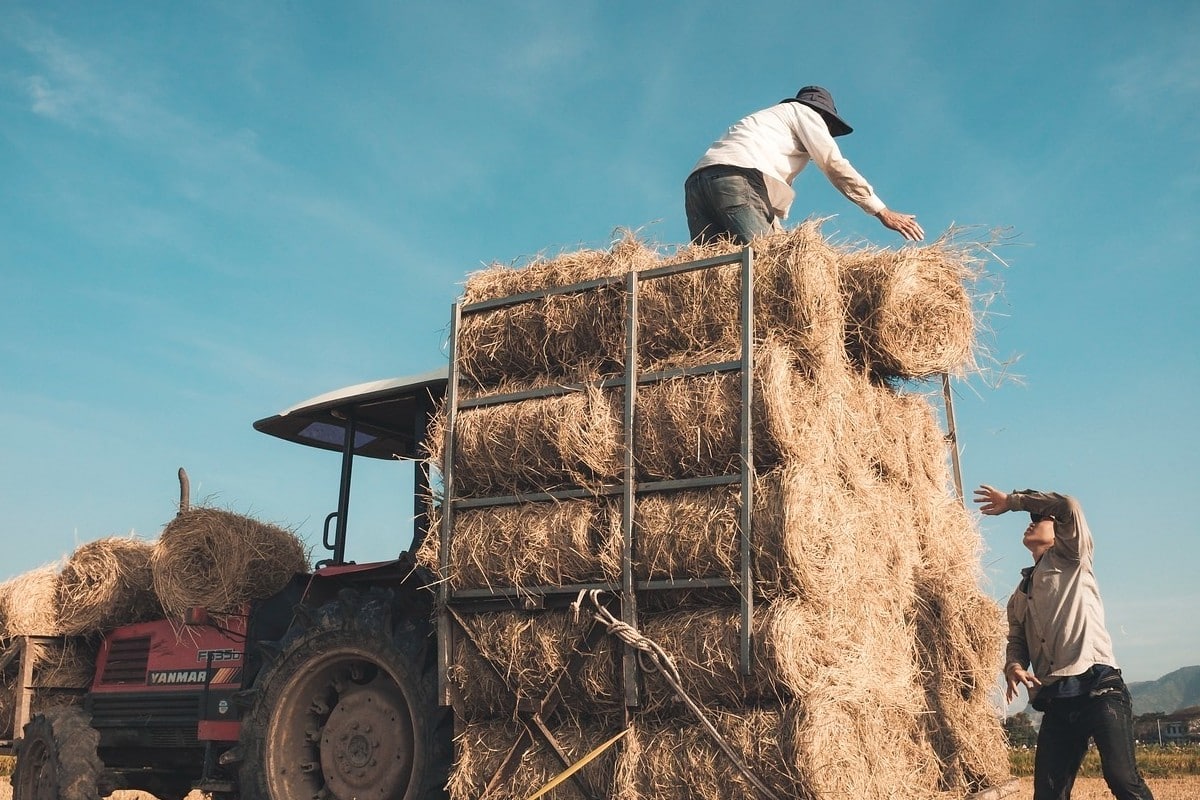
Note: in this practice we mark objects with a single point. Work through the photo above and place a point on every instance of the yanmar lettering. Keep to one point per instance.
(177, 676)
(194, 677)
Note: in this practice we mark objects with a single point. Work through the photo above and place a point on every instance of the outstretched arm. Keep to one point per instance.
(904, 224)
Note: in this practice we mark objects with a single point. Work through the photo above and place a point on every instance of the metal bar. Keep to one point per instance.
(690, 266)
(629, 663)
(602, 491)
(445, 632)
(598, 283)
(561, 389)
(747, 590)
(421, 493)
(581, 781)
(24, 690)
(343, 509)
(538, 294)
(952, 437)
(575, 588)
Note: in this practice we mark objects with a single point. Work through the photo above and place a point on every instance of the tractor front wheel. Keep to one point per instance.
(348, 710)
(56, 759)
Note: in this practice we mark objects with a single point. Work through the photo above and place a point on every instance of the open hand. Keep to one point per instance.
(904, 224)
(991, 501)
(1015, 676)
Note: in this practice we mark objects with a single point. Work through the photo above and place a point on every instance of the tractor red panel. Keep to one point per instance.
(158, 655)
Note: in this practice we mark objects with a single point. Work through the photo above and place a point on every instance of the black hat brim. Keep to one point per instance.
(837, 125)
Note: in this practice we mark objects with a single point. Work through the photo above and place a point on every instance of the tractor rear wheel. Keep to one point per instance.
(348, 710)
(56, 759)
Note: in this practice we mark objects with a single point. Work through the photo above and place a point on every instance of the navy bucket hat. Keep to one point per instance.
(822, 101)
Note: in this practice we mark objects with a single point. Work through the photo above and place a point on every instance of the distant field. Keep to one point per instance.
(1154, 762)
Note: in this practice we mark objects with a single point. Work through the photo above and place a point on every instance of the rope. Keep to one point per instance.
(652, 657)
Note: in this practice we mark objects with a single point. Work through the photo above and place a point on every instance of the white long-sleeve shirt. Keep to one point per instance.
(779, 142)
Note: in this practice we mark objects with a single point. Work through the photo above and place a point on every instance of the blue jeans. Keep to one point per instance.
(727, 201)
(1063, 741)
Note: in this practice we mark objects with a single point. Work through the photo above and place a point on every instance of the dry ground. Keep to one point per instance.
(1185, 788)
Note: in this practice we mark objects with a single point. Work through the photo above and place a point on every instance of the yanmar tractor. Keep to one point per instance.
(325, 690)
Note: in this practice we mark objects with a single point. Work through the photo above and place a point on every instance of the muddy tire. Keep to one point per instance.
(56, 759)
(348, 710)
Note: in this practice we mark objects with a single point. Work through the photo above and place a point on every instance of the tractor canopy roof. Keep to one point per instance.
(388, 417)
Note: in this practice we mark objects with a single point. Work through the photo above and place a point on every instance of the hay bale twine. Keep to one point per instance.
(105, 584)
(909, 313)
(27, 603)
(220, 560)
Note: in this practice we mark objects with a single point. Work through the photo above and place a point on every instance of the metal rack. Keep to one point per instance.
(626, 593)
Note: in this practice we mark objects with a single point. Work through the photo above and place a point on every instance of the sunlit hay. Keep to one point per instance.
(104, 584)
(960, 636)
(797, 294)
(686, 318)
(808, 515)
(863, 747)
(688, 534)
(530, 650)
(536, 544)
(951, 545)
(559, 338)
(663, 761)
(27, 603)
(538, 445)
(564, 338)
(688, 427)
(627, 253)
(910, 314)
(691, 426)
(220, 560)
(965, 739)
(481, 747)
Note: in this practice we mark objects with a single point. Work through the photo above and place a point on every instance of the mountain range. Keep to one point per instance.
(1170, 693)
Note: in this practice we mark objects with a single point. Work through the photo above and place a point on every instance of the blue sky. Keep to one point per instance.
(210, 211)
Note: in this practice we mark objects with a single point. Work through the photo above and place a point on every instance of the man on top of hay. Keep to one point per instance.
(742, 185)
(1056, 624)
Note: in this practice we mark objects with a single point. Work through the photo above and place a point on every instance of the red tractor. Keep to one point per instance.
(325, 690)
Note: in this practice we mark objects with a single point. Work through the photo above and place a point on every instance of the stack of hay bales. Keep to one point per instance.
(204, 557)
(873, 646)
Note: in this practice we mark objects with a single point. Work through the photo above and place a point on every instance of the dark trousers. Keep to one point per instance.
(727, 201)
(1062, 743)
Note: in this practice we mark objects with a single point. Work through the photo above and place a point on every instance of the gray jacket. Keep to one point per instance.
(1056, 623)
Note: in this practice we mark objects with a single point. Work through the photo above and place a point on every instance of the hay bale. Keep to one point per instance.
(686, 318)
(105, 584)
(220, 560)
(797, 648)
(27, 603)
(663, 761)
(858, 747)
(532, 544)
(538, 445)
(909, 313)
(482, 746)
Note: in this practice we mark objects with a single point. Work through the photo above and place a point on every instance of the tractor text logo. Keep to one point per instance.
(218, 655)
(194, 677)
(177, 676)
